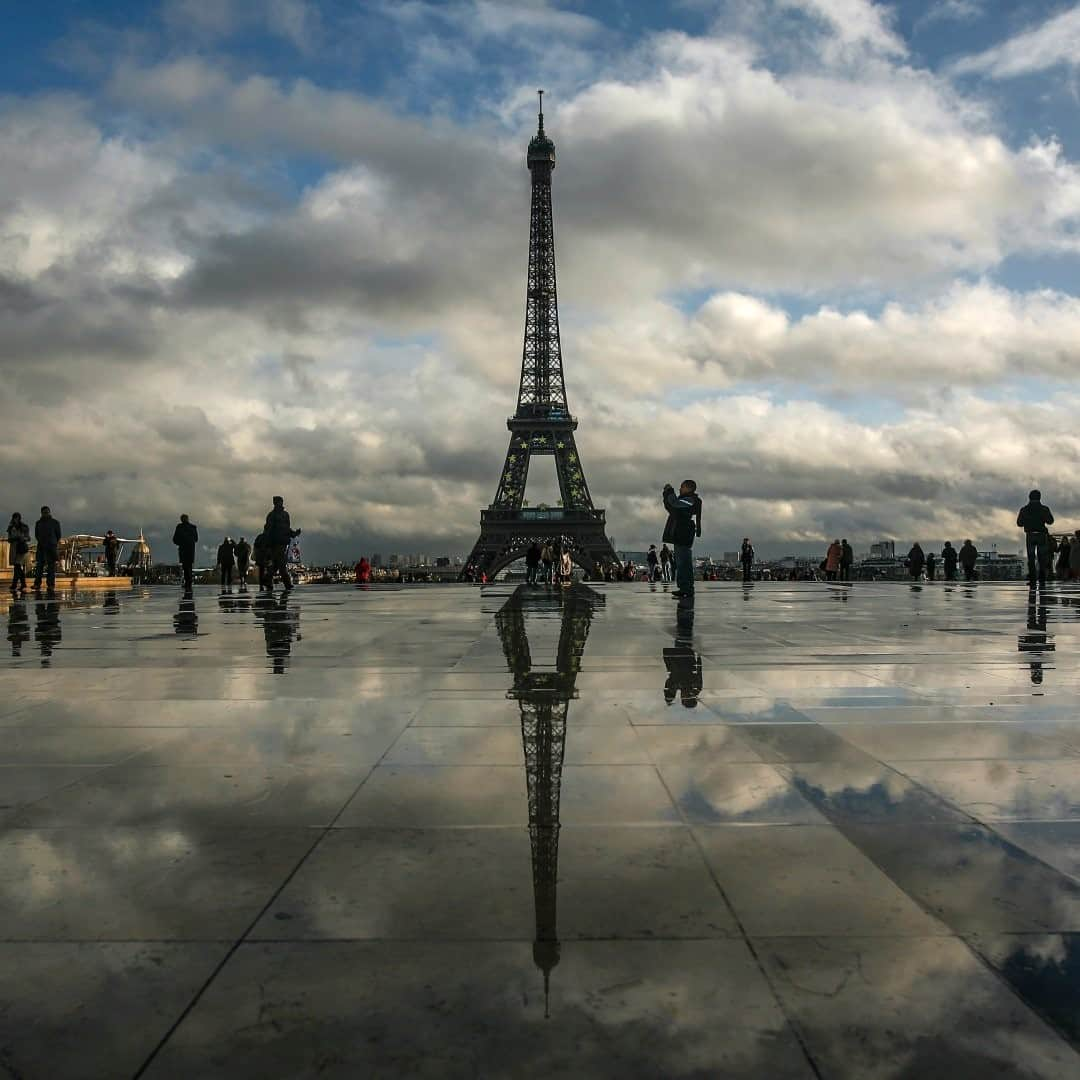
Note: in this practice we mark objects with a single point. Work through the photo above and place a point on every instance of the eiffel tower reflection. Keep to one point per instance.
(544, 697)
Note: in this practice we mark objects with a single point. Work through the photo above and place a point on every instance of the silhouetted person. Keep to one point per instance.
(532, 563)
(547, 557)
(263, 558)
(969, 556)
(243, 558)
(665, 562)
(185, 536)
(18, 538)
(931, 566)
(847, 560)
(916, 560)
(112, 552)
(1064, 554)
(47, 534)
(653, 559)
(683, 525)
(948, 561)
(279, 534)
(1074, 557)
(226, 560)
(1034, 519)
(18, 628)
(47, 632)
(832, 560)
(746, 559)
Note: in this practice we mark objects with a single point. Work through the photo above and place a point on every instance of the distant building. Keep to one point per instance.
(883, 549)
(376, 561)
(731, 557)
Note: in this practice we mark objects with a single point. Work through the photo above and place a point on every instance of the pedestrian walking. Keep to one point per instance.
(1074, 557)
(112, 552)
(931, 566)
(653, 559)
(948, 561)
(185, 537)
(226, 560)
(547, 557)
(18, 538)
(847, 559)
(566, 567)
(665, 562)
(969, 556)
(1064, 557)
(279, 534)
(832, 560)
(243, 558)
(746, 559)
(1034, 518)
(47, 534)
(683, 526)
(532, 563)
(916, 560)
(260, 550)
(362, 571)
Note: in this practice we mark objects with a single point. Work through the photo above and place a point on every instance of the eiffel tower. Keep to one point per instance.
(544, 698)
(542, 423)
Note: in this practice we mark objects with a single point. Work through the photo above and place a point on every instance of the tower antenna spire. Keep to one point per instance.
(541, 95)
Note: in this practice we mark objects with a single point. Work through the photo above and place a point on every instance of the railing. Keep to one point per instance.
(530, 514)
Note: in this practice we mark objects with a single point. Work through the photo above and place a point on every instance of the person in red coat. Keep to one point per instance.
(363, 572)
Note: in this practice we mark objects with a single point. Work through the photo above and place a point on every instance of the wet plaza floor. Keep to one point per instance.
(791, 831)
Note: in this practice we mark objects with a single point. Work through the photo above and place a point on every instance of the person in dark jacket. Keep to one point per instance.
(948, 561)
(185, 536)
(665, 562)
(532, 563)
(916, 560)
(683, 525)
(243, 557)
(112, 550)
(847, 560)
(746, 558)
(653, 559)
(279, 533)
(969, 556)
(18, 538)
(1064, 554)
(226, 560)
(1034, 518)
(47, 534)
(260, 549)
(931, 566)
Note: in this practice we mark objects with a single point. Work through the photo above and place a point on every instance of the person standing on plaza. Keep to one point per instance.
(1074, 557)
(969, 556)
(547, 557)
(916, 560)
(260, 550)
(1063, 559)
(931, 566)
(18, 538)
(279, 534)
(112, 550)
(847, 560)
(566, 567)
(683, 525)
(832, 560)
(47, 534)
(243, 558)
(948, 561)
(654, 563)
(665, 562)
(185, 537)
(1034, 518)
(226, 560)
(746, 560)
(532, 563)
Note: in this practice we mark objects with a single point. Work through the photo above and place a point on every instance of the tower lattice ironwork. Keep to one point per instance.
(542, 424)
(544, 698)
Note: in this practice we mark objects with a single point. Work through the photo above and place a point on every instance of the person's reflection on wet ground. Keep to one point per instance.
(281, 626)
(47, 632)
(110, 602)
(18, 628)
(186, 619)
(683, 664)
(1036, 640)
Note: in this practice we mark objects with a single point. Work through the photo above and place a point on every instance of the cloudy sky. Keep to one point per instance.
(822, 255)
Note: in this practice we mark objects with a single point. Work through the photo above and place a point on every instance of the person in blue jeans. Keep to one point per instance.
(683, 525)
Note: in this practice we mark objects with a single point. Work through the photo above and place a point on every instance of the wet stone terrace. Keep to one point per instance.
(794, 831)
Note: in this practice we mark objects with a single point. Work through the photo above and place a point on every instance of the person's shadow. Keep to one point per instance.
(1036, 640)
(683, 665)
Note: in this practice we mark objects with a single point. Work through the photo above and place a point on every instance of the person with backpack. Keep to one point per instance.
(969, 556)
(683, 525)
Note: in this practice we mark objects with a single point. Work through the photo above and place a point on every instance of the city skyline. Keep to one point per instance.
(819, 255)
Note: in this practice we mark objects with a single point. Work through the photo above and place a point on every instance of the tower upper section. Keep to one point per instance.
(541, 155)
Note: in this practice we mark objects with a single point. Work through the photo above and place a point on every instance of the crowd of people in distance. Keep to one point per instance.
(270, 550)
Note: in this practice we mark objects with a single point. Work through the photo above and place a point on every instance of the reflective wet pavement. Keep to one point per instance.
(795, 830)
